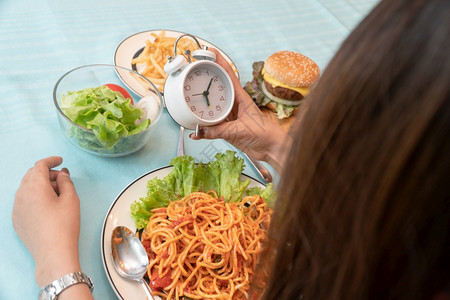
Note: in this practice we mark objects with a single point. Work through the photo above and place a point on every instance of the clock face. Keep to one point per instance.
(207, 92)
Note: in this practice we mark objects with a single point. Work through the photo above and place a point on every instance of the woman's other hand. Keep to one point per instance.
(46, 217)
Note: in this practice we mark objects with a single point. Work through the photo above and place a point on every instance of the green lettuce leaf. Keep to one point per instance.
(159, 194)
(207, 177)
(268, 194)
(221, 175)
(182, 176)
(231, 188)
(106, 112)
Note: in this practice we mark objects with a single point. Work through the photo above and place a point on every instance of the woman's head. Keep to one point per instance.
(364, 206)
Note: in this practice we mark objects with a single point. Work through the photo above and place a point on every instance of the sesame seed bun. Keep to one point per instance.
(292, 68)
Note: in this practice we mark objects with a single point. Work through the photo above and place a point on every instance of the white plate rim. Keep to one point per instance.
(128, 47)
(105, 239)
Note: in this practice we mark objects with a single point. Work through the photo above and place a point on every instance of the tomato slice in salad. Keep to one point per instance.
(119, 89)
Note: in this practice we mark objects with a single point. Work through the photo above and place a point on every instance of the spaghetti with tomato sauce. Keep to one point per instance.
(201, 247)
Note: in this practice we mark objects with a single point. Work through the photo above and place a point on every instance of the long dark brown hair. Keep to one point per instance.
(364, 204)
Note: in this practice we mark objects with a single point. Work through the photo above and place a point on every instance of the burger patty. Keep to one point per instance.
(283, 93)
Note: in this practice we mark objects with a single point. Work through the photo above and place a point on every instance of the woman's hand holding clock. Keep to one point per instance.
(247, 128)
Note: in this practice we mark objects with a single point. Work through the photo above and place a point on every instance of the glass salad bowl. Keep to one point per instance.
(99, 114)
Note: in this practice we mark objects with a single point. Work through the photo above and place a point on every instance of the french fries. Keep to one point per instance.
(155, 56)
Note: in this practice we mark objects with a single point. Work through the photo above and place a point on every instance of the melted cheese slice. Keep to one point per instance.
(302, 90)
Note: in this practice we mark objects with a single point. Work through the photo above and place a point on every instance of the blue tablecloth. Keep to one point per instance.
(40, 40)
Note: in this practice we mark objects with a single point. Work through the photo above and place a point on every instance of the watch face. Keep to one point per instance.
(207, 91)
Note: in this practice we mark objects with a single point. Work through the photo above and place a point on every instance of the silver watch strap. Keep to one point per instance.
(52, 290)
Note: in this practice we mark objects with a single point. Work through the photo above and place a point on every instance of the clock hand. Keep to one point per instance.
(204, 93)
(209, 84)
(207, 100)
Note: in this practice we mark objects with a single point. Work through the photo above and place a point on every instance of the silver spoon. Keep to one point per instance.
(259, 167)
(129, 256)
(180, 149)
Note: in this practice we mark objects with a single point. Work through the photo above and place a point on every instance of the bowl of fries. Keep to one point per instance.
(101, 115)
(147, 52)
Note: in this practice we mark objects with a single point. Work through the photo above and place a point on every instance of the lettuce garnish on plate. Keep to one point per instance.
(106, 112)
(221, 175)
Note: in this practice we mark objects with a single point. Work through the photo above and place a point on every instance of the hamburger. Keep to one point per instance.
(282, 82)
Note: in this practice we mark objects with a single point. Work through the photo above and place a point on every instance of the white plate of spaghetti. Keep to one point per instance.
(146, 53)
(191, 276)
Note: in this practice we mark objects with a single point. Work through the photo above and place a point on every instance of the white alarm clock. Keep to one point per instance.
(198, 93)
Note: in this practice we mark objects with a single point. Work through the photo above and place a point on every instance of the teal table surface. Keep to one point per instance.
(41, 40)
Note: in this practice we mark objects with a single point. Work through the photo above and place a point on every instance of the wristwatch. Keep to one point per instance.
(51, 291)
